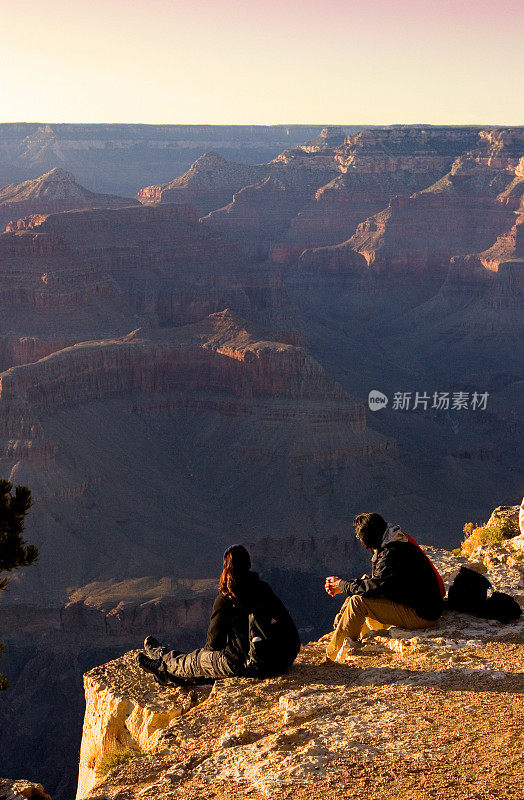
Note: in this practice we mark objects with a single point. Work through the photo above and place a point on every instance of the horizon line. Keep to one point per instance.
(277, 124)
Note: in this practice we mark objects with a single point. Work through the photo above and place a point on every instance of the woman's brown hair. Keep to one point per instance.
(237, 565)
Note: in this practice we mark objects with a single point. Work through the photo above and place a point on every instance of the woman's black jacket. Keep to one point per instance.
(229, 624)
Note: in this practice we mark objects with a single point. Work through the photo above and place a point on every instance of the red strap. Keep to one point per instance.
(435, 570)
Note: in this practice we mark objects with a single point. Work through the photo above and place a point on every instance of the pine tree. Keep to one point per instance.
(14, 552)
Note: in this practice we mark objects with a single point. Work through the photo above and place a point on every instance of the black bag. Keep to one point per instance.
(469, 592)
(502, 607)
(274, 642)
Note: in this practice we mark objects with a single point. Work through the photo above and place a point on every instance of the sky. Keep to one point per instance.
(266, 62)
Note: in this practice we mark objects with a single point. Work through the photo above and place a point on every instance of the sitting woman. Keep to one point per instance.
(251, 633)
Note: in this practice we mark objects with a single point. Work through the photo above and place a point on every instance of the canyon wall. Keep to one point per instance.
(462, 212)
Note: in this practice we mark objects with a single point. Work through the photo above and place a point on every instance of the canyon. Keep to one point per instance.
(174, 358)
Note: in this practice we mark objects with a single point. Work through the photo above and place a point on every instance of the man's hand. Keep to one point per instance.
(332, 586)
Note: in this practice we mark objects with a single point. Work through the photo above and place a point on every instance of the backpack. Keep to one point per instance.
(469, 594)
(274, 642)
(502, 607)
(438, 576)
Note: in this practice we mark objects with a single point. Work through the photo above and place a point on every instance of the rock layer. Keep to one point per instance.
(122, 711)
(461, 213)
(211, 387)
(170, 267)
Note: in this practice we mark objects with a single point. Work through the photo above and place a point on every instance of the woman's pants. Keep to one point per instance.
(361, 614)
(200, 663)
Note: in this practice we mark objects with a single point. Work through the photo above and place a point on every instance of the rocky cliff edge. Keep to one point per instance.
(425, 714)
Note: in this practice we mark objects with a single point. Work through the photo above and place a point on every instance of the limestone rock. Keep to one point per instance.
(510, 513)
(123, 709)
(22, 790)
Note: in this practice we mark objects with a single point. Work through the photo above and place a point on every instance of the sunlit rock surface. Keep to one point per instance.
(411, 702)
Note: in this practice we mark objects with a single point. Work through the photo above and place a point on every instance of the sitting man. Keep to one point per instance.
(404, 590)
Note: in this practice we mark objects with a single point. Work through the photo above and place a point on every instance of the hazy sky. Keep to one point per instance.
(265, 62)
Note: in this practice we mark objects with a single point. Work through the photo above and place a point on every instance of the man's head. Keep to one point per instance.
(370, 529)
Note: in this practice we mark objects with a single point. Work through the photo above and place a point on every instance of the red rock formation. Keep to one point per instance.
(412, 148)
(143, 242)
(317, 195)
(510, 244)
(188, 359)
(460, 214)
(51, 297)
(209, 183)
(54, 191)
(41, 270)
(347, 200)
(328, 138)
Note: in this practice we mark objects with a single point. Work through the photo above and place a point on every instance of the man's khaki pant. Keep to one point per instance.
(361, 614)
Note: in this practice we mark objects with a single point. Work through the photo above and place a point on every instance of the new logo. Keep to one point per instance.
(376, 400)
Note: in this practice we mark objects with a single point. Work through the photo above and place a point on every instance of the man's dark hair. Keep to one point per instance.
(370, 528)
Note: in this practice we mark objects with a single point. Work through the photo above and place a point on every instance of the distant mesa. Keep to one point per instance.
(329, 137)
(120, 159)
(56, 190)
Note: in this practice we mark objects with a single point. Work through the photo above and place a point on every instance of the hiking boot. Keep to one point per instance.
(350, 647)
(155, 667)
(153, 648)
(357, 647)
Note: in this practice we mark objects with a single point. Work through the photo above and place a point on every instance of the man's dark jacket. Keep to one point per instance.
(402, 573)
